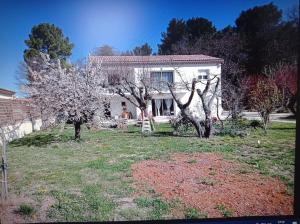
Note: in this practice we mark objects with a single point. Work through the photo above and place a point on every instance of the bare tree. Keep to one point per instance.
(264, 97)
(184, 107)
(233, 96)
(285, 76)
(133, 86)
(72, 95)
(207, 97)
(225, 44)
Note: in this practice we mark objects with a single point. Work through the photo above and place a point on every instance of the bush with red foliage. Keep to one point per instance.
(263, 95)
(285, 77)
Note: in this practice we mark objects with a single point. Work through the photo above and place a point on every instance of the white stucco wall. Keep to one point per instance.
(187, 72)
(116, 107)
(2, 96)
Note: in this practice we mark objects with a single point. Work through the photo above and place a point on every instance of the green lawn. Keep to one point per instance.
(91, 179)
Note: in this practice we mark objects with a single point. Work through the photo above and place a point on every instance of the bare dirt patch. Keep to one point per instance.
(9, 214)
(8, 210)
(214, 186)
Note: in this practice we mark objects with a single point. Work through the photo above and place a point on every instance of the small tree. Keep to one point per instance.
(72, 95)
(184, 107)
(285, 77)
(264, 97)
(233, 96)
(207, 97)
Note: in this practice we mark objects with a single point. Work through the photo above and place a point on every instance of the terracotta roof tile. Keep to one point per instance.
(157, 59)
(7, 92)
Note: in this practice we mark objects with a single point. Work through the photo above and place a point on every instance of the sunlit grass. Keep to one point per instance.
(87, 179)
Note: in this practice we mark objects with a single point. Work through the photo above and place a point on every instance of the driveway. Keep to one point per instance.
(280, 117)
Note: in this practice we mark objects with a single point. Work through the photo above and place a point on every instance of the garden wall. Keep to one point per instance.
(18, 117)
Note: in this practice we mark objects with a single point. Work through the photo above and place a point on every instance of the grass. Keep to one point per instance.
(192, 213)
(25, 209)
(157, 206)
(86, 180)
(206, 181)
(224, 211)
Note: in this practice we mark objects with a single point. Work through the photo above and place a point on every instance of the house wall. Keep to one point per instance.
(3, 96)
(116, 107)
(188, 73)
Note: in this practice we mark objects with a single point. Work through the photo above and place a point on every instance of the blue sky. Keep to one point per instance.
(91, 23)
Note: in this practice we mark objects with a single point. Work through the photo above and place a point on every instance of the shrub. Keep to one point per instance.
(192, 213)
(255, 124)
(233, 128)
(225, 212)
(25, 209)
(180, 124)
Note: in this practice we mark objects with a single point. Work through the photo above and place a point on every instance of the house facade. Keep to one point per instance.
(6, 94)
(176, 69)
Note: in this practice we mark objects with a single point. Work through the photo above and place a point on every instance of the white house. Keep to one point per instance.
(172, 68)
(6, 94)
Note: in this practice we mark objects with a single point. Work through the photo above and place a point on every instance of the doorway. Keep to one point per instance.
(163, 107)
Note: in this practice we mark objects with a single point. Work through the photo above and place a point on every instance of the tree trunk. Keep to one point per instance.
(198, 129)
(291, 105)
(234, 115)
(208, 121)
(77, 126)
(265, 119)
(207, 127)
(194, 122)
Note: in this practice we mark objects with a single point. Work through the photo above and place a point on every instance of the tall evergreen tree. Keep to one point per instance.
(199, 28)
(258, 28)
(49, 39)
(175, 31)
(143, 50)
(182, 34)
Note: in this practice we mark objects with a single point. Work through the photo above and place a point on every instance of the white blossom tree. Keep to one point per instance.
(73, 95)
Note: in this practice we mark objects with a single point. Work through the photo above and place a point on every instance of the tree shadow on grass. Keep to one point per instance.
(290, 117)
(171, 134)
(162, 134)
(40, 140)
(282, 128)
